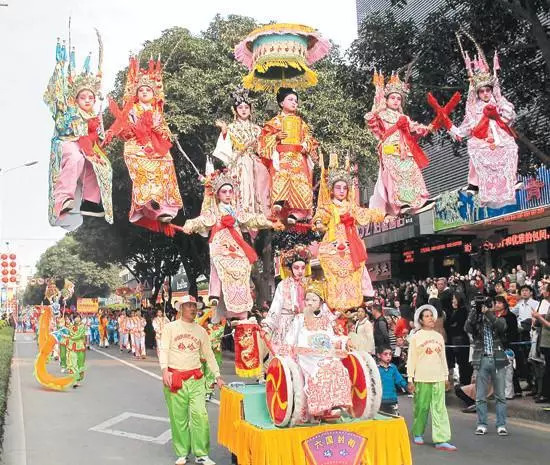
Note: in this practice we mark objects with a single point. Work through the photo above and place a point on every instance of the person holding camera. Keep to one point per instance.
(489, 361)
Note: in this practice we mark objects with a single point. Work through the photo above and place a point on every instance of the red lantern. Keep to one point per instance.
(4, 256)
(13, 279)
(13, 256)
(13, 264)
(5, 272)
(5, 280)
(4, 264)
(13, 271)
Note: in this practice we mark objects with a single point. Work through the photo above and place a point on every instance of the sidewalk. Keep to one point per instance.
(521, 407)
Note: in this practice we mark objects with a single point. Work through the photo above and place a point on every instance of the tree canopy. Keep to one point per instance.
(62, 261)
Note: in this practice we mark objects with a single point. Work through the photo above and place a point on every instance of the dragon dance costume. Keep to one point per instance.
(80, 174)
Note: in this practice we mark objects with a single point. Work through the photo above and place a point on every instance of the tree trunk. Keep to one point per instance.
(157, 286)
(537, 31)
(533, 148)
(263, 279)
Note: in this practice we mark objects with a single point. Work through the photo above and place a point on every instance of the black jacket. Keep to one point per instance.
(381, 333)
(474, 326)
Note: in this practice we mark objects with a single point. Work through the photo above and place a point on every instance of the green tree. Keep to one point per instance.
(62, 261)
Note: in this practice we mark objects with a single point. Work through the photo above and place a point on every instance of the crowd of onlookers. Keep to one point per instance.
(518, 297)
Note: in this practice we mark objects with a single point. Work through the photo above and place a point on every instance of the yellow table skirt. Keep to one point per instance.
(387, 440)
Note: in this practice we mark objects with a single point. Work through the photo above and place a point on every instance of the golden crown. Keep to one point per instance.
(336, 174)
(85, 81)
(396, 86)
(317, 287)
(150, 77)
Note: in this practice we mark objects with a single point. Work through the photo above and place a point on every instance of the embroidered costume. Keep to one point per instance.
(288, 300)
(238, 150)
(155, 193)
(290, 160)
(231, 257)
(342, 253)
(80, 174)
(491, 142)
(314, 345)
(400, 186)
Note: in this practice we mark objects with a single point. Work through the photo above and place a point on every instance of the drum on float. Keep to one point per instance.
(284, 388)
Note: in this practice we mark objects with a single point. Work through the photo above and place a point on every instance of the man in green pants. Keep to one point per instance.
(183, 344)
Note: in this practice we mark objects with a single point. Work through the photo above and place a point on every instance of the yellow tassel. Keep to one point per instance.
(253, 373)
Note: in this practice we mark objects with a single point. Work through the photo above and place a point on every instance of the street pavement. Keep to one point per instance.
(119, 416)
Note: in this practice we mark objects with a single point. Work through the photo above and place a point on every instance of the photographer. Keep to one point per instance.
(489, 360)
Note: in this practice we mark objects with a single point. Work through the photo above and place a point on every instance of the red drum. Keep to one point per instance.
(279, 391)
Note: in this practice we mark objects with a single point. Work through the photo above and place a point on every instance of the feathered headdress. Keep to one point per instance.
(478, 69)
(85, 80)
(150, 77)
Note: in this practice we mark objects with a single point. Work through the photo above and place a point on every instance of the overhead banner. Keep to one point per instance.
(87, 305)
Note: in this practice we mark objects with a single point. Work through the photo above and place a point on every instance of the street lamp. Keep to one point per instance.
(24, 165)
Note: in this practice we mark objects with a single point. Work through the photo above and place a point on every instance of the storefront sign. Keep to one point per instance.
(456, 208)
(87, 305)
(377, 228)
(438, 247)
(513, 240)
(408, 256)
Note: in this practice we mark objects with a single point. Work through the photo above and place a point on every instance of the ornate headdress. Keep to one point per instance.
(86, 80)
(478, 69)
(331, 176)
(52, 293)
(336, 174)
(279, 55)
(298, 253)
(317, 287)
(220, 178)
(241, 96)
(150, 77)
(394, 85)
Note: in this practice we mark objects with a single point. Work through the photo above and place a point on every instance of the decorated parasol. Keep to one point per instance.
(280, 55)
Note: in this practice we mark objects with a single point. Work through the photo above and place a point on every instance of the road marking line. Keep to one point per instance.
(135, 367)
(105, 427)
